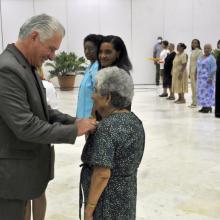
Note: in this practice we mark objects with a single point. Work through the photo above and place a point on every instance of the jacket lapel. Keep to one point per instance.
(42, 92)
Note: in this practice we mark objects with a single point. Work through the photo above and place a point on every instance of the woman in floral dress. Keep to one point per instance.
(206, 70)
(112, 155)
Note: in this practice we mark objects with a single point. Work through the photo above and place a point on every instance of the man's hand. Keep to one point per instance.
(85, 126)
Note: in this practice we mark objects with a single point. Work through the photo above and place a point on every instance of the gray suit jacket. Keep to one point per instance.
(27, 128)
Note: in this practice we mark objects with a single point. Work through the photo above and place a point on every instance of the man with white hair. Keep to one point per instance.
(27, 125)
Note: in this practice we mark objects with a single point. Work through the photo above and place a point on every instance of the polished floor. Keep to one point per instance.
(179, 177)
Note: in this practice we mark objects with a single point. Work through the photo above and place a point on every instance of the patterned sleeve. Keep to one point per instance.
(104, 149)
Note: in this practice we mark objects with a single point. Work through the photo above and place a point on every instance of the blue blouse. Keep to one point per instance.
(85, 102)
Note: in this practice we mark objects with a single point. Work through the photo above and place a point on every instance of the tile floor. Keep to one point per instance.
(179, 178)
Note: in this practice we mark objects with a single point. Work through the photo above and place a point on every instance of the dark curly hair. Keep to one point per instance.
(95, 38)
(182, 45)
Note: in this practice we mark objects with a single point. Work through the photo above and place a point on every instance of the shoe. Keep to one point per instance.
(202, 109)
(157, 83)
(181, 101)
(206, 110)
(192, 106)
(171, 98)
(163, 95)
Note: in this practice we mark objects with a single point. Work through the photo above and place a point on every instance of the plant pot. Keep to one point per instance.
(66, 82)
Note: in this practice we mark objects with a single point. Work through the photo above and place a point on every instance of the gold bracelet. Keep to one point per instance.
(90, 205)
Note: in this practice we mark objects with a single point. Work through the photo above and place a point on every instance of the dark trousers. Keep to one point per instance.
(12, 209)
(157, 74)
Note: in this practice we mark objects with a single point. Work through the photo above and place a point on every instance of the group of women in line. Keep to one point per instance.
(202, 72)
(111, 156)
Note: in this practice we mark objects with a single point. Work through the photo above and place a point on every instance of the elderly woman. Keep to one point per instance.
(179, 73)
(206, 69)
(112, 155)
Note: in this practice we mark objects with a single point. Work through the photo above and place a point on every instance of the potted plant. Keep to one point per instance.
(66, 66)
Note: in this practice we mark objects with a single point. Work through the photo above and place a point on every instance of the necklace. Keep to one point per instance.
(114, 111)
(118, 110)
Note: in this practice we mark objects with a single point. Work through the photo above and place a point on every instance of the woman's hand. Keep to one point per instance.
(88, 214)
(88, 217)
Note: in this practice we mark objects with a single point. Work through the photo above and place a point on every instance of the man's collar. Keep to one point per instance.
(19, 55)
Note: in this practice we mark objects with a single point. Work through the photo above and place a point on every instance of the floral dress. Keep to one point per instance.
(206, 67)
(118, 144)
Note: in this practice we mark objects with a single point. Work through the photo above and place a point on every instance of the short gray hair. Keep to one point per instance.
(208, 45)
(117, 83)
(44, 24)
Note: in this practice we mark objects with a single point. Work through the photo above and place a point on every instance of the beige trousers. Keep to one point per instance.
(193, 88)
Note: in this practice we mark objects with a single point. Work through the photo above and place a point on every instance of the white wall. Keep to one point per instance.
(56, 8)
(98, 16)
(147, 24)
(14, 13)
(206, 18)
(138, 22)
(83, 19)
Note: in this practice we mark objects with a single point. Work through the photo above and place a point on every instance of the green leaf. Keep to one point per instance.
(65, 63)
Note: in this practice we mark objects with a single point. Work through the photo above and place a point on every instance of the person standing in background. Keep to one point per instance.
(206, 70)
(113, 52)
(163, 56)
(179, 74)
(216, 53)
(85, 102)
(196, 53)
(168, 65)
(51, 93)
(156, 55)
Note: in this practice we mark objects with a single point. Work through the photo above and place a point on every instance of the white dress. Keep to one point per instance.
(51, 94)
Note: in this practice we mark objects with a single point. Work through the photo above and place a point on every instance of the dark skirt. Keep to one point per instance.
(167, 80)
(168, 65)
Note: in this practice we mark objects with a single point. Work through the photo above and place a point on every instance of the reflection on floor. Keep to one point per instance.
(179, 177)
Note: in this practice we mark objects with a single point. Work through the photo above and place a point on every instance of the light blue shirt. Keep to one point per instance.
(85, 102)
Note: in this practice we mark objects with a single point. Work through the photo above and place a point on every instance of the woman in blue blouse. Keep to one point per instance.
(85, 102)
